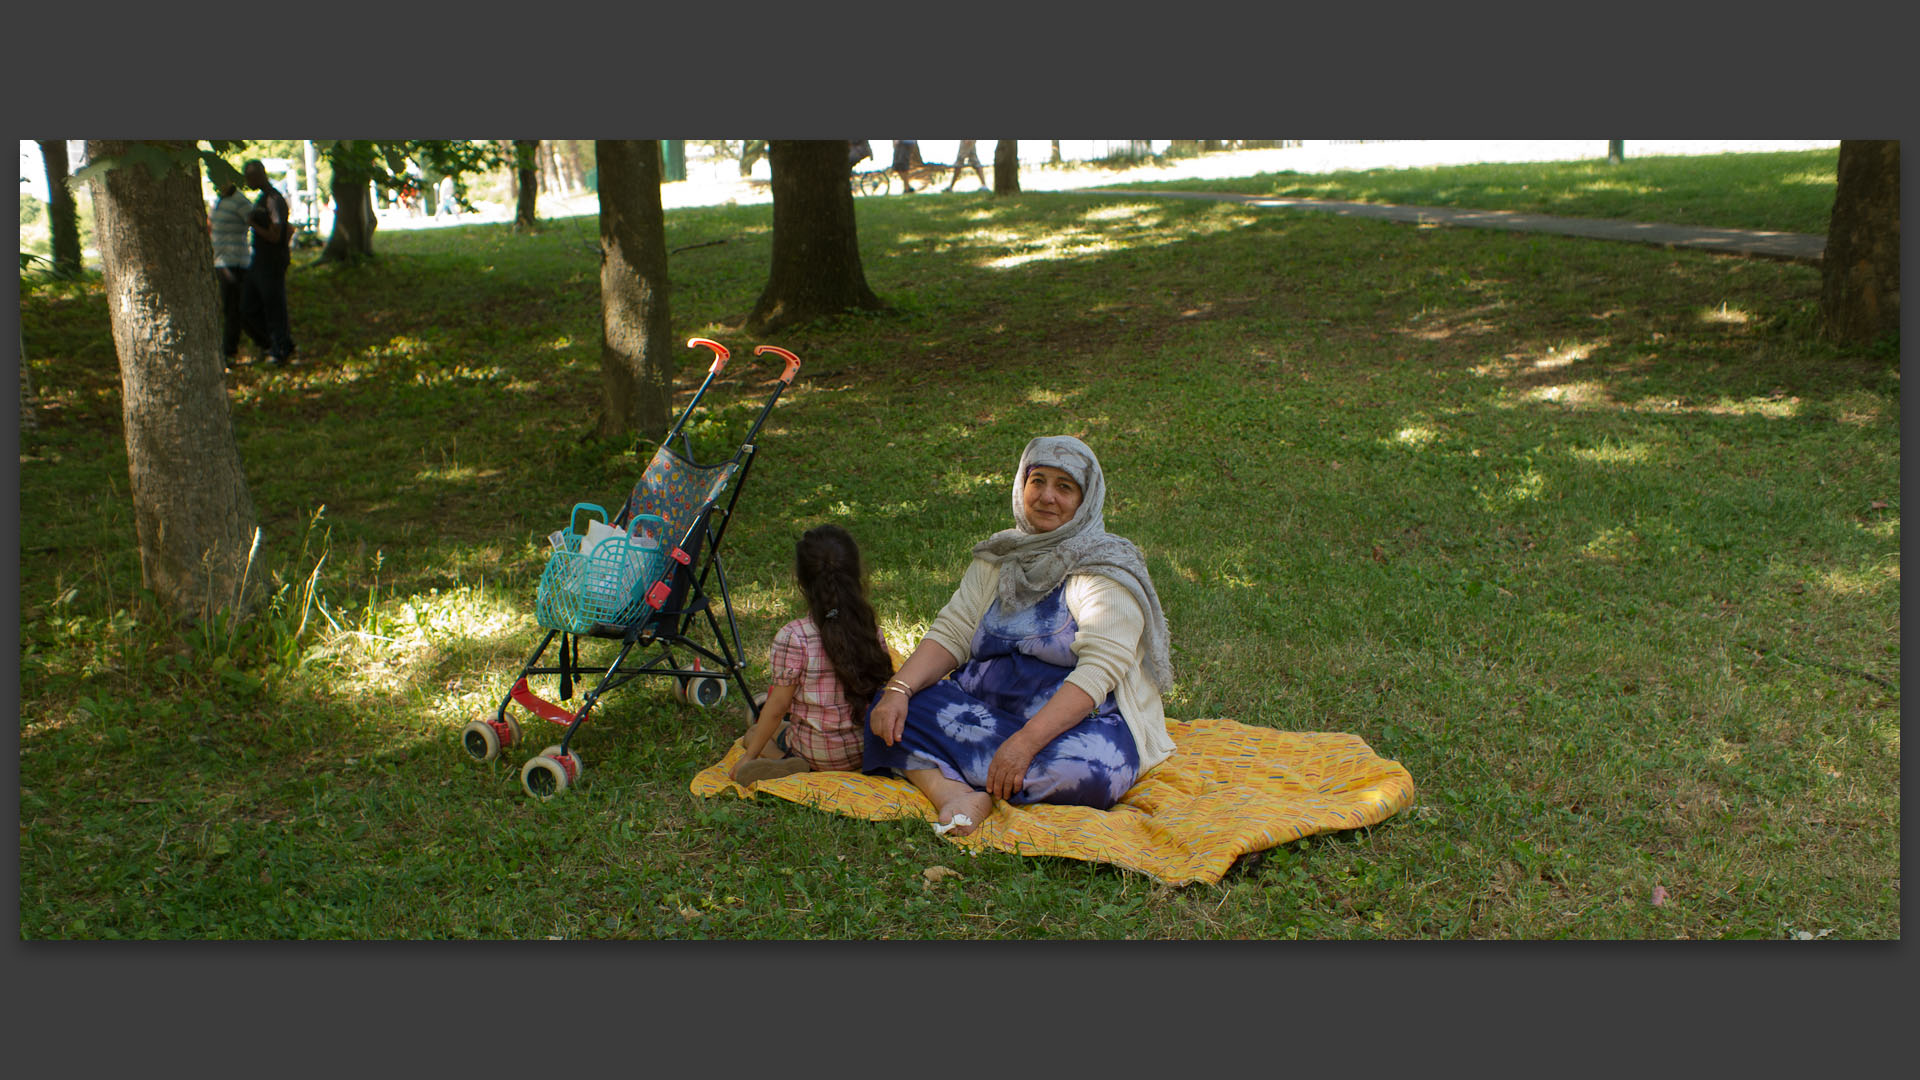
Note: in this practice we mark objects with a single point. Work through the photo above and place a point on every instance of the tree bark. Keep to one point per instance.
(28, 420)
(636, 358)
(526, 162)
(193, 517)
(1860, 273)
(63, 215)
(1006, 167)
(354, 221)
(816, 249)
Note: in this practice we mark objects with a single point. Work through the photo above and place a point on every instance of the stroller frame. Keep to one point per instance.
(675, 596)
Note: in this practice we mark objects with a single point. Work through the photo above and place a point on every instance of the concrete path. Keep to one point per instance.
(1792, 247)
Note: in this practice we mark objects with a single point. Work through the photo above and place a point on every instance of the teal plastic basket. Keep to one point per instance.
(607, 586)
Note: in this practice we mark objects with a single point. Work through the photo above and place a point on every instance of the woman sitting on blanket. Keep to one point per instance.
(1061, 654)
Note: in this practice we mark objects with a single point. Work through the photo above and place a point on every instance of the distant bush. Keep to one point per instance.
(32, 210)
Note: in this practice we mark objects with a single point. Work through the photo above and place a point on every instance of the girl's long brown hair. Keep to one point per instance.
(827, 565)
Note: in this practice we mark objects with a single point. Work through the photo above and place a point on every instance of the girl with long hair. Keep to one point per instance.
(824, 667)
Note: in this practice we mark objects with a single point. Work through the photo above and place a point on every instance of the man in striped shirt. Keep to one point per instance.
(227, 223)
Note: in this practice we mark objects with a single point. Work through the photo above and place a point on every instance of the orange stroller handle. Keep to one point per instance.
(793, 362)
(720, 353)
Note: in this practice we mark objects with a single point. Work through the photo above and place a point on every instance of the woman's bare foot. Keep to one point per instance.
(950, 797)
(977, 806)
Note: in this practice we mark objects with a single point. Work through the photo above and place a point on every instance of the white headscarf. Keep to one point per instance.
(1033, 564)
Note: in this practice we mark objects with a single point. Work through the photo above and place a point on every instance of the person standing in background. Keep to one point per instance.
(263, 303)
(227, 225)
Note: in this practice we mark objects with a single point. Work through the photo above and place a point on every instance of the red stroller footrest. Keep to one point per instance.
(539, 706)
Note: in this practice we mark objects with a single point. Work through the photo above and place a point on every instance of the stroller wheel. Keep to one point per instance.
(550, 773)
(706, 692)
(481, 741)
(485, 738)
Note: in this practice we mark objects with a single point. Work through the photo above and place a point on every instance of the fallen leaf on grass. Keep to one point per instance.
(1802, 935)
(934, 874)
(1878, 504)
(1659, 896)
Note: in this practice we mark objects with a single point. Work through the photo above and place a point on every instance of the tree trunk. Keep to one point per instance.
(1055, 159)
(636, 358)
(28, 421)
(527, 166)
(192, 515)
(816, 248)
(1860, 273)
(1006, 167)
(1616, 151)
(353, 219)
(63, 216)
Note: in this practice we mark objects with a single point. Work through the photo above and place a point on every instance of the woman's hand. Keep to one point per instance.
(889, 717)
(929, 661)
(1007, 773)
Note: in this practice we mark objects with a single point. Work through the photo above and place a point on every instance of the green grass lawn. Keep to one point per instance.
(1599, 541)
(1779, 192)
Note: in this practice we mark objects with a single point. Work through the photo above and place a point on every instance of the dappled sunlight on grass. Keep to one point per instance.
(1863, 582)
(1612, 187)
(1612, 542)
(347, 372)
(1062, 245)
(1040, 395)
(1531, 486)
(1575, 395)
(1614, 454)
(1724, 316)
(397, 346)
(1562, 355)
(1118, 211)
(456, 474)
(409, 634)
(1416, 436)
(1102, 229)
(1819, 178)
(1783, 408)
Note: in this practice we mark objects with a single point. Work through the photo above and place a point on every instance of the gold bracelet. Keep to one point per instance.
(900, 687)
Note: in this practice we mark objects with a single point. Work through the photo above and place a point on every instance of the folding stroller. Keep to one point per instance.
(642, 579)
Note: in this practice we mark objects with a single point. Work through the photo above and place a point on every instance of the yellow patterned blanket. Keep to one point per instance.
(1229, 789)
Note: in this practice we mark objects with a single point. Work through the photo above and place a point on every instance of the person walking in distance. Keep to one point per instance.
(964, 157)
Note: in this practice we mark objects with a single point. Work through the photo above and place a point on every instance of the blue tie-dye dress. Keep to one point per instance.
(1019, 660)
